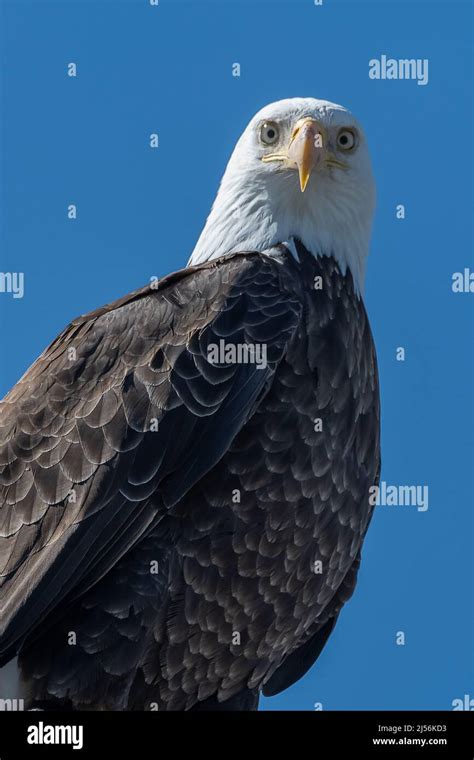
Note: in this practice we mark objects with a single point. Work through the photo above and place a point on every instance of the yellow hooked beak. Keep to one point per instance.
(306, 149)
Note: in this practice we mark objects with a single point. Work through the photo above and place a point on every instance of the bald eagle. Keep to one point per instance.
(186, 472)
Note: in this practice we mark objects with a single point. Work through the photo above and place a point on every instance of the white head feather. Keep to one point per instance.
(260, 204)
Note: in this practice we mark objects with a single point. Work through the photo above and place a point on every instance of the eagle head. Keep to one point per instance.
(301, 169)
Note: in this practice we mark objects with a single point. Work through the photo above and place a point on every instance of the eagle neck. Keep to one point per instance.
(244, 218)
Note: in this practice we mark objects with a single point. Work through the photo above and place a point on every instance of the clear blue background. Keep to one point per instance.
(168, 69)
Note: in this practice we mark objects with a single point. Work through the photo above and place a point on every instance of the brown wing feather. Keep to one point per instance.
(118, 417)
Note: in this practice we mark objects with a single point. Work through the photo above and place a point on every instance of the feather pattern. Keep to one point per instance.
(123, 448)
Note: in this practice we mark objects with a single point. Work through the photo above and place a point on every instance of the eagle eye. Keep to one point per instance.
(269, 133)
(346, 139)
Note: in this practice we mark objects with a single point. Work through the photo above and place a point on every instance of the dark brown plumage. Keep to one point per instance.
(170, 512)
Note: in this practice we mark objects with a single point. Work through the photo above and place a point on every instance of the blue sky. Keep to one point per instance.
(168, 69)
